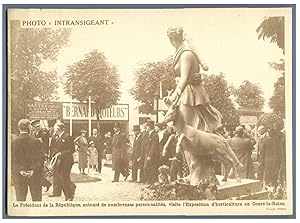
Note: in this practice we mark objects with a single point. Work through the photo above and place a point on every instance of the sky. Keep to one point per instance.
(225, 38)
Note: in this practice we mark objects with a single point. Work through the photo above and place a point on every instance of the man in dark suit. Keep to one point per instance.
(136, 152)
(62, 148)
(144, 137)
(119, 154)
(152, 156)
(43, 136)
(27, 163)
(99, 144)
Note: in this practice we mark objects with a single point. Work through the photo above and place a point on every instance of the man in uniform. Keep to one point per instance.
(152, 156)
(99, 144)
(62, 148)
(27, 163)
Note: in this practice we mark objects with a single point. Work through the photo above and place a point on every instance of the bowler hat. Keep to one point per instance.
(83, 131)
(150, 123)
(136, 128)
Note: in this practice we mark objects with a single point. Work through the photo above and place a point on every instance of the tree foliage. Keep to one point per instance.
(219, 95)
(249, 96)
(272, 28)
(277, 101)
(29, 49)
(270, 121)
(96, 76)
(278, 66)
(147, 82)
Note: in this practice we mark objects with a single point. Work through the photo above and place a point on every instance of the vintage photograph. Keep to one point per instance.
(162, 111)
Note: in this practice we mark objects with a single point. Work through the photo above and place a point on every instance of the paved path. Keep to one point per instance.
(103, 190)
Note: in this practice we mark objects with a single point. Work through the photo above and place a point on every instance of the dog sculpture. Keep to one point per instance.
(202, 143)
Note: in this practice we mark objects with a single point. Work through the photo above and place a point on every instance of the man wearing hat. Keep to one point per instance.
(152, 156)
(144, 136)
(43, 136)
(62, 148)
(27, 163)
(119, 154)
(242, 147)
(136, 152)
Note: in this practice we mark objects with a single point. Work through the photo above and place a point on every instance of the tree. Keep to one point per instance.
(95, 76)
(277, 101)
(29, 48)
(219, 95)
(273, 29)
(147, 82)
(249, 96)
(270, 120)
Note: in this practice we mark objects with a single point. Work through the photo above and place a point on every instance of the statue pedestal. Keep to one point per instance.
(246, 189)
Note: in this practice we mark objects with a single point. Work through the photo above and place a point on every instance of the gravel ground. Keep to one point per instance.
(103, 190)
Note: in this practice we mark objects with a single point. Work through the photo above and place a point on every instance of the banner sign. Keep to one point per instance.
(80, 111)
(42, 110)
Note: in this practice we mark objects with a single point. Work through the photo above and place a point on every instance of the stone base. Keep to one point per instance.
(262, 195)
(244, 190)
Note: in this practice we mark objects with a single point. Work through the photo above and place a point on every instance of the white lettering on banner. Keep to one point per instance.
(80, 112)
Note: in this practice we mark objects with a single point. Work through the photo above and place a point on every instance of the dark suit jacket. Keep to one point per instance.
(137, 147)
(64, 145)
(144, 136)
(152, 146)
(119, 151)
(164, 139)
(44, 136)
(27, 154)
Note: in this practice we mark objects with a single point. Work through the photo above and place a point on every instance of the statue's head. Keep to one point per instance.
(175, 35)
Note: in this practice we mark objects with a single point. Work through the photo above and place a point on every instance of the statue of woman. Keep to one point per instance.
(194, 101)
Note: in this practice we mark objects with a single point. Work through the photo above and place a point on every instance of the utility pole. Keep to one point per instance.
(90, 113)
(71, 110)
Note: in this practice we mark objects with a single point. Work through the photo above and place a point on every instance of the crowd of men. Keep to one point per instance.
(153, 146)
(30, 150)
